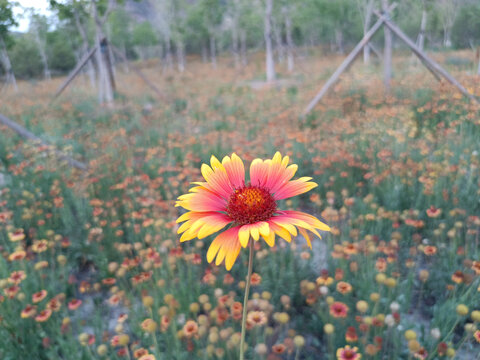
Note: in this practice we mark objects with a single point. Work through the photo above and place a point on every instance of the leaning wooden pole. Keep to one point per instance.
(30, 136)
(346, 63)
(433, 65)
(75, 71)
(138, 72)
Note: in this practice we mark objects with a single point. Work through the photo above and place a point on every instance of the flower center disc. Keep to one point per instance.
(251, 204)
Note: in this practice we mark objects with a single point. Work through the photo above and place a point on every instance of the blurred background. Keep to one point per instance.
(45, 38)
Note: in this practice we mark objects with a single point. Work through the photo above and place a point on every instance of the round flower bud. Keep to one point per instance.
(470, 328)
(194, 307)
(329, 329)
(261, 349)
(435, 332)
(83, 338)
(423, 275)
(374, 297)
(362, 306)
(410, 335)
(62, 259)
(394, 306)
(451, 352)
(380, 278)
(389, 320)
(123, 340)
(475, 315)
(299, 341)
(147, 301)
(391, 282)
(462, 310)
(413, 346)
(266, 295)
(282, 317)
(102, 350)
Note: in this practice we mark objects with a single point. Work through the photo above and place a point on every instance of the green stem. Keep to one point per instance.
(297, 354)
(245, 300)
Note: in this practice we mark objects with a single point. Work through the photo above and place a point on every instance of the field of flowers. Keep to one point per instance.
(91, 265)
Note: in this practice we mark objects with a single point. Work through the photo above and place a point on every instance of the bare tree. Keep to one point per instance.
(243, 47)
(270, 63)
(7, 65)
(234, 9)
(287, 10)
(448, 13)
(39, 27)
(105, 72)
(76, 11)
(366, 12)
(6, 21)
(277, 34)
(423, 26)
(387, 55)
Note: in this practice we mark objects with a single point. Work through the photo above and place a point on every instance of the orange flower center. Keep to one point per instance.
(251, 204)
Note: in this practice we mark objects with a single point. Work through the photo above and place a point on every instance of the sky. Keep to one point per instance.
(40, 5)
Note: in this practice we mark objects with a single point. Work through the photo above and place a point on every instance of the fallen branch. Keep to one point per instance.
(30, 136)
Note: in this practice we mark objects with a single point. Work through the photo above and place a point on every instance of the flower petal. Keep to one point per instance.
(225, 246)
(294, 187)
(280, 231)
(201, 224)
(258, 172)
(270, 238)
(254, 230)
(217, 178)
(201, 200)
(235, 170)
(312, 220)
(306, 236)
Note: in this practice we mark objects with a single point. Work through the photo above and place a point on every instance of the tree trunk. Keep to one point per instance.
(366, 27)
(204, 52)
(83, 34)
(180, 47)
(236, 55)
(478, 59)
(123, 49)
(288, 31)
(168, 53)
(243, 47)
(270, 63)
(7, 65)
(339, 40)
(213, 51)
(43, 55)
(278, 42)
(110, 52)
(423, 27)
(447, 42)
(387, 56)
(105, 83)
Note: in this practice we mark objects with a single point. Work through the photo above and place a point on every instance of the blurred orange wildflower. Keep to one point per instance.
(348, 353)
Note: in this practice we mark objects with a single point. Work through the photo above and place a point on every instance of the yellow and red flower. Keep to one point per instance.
(338, 309)
(44, 315)
(476, 335)
(348, 353)
(39, 296)
(250, 208)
